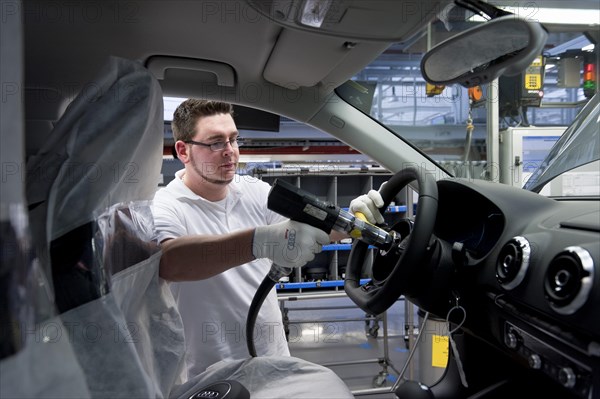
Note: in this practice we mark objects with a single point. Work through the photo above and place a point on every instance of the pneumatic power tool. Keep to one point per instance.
(302, 206)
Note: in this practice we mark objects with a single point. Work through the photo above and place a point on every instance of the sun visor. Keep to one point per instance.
(293, 62)
(302, 59)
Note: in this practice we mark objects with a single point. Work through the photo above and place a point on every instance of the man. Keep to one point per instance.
(206, 198)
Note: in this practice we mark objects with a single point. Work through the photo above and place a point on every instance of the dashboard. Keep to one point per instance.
(468, 218)
(526, 272)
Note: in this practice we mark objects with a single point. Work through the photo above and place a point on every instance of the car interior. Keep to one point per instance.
(514, 272)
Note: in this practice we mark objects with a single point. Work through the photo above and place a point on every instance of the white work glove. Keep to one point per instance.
(368, 205)
(288, 244)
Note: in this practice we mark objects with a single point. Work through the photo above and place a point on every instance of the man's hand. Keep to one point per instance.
(289, 243)
(368, 205)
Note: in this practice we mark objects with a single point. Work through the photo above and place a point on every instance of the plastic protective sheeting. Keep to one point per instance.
(137, 331)
(45, 368)
(151, 321)
(126, 344)
(272, 377)
(32, 340)
(152, 324)
(105, 149)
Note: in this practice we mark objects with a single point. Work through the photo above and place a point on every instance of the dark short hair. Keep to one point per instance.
(188, 112)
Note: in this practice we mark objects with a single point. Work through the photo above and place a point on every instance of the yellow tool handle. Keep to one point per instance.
(356, 233)
(360, 216)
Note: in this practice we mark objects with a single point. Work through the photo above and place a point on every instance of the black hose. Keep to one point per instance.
(263, 291)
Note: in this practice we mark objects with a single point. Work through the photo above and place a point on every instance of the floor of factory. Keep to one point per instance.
(330, 330)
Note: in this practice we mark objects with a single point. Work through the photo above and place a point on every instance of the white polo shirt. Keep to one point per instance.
(215, 310)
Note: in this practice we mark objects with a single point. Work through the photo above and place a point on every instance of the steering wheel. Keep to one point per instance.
(378, 295)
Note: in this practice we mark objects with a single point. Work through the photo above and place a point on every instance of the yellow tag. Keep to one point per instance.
(439, 351)
(533, 82)
(433, 90)
(533, 74)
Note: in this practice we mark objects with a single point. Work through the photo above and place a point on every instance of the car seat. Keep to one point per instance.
(117, 331)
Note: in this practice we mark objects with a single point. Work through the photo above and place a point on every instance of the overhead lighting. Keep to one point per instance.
(565, 16)
(314, 12)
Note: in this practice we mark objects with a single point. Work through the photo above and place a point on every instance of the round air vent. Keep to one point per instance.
(568, 280)
(513, 262)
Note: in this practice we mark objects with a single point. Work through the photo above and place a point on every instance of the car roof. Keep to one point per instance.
(240, 51)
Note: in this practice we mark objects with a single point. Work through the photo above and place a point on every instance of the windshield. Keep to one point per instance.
(578, 146)
(450, 124)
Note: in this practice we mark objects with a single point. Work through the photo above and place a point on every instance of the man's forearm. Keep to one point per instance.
(198, 257)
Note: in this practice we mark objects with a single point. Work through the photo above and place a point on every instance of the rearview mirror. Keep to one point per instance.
(502, 46)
